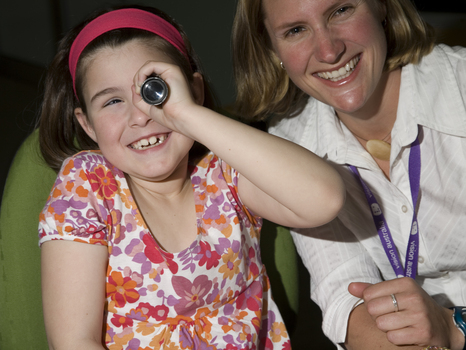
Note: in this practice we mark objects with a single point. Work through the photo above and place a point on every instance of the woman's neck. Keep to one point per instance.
(376, 119)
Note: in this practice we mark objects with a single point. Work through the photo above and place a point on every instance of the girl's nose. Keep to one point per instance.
(138, 118)
(328, 48)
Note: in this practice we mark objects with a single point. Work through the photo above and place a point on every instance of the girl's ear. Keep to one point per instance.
(198, 88)
(85, 124)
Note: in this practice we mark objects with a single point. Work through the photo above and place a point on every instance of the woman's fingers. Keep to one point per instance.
(406, 313)
(357, 288)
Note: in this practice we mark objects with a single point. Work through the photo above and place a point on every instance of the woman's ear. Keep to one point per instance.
(198, 88)
(382, 6)
(85, 124)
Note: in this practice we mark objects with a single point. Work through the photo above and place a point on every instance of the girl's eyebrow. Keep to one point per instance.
(103, 92)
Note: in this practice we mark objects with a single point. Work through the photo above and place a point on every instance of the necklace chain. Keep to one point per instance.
(389, 133)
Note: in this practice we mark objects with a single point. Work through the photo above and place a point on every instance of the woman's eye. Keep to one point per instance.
(294, 31)
(342, 11)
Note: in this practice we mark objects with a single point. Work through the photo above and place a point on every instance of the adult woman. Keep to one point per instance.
(360, 83)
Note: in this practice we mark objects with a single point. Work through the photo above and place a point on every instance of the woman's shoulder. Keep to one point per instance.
(454, 51)
(453, 56)
(292, 127)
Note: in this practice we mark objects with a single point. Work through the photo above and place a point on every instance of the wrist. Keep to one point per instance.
(459, 320)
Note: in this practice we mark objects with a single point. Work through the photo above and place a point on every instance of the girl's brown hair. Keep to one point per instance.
(264, 88)
(60, 134)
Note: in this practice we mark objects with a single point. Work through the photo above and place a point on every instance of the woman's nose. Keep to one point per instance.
(328, 48)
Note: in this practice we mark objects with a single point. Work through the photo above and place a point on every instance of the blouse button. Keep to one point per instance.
(420, 259)
(404, 208)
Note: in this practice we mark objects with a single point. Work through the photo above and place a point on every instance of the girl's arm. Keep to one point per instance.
(73, 294)
(280, 181)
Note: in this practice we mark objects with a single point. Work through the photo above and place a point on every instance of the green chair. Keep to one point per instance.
(27, 188)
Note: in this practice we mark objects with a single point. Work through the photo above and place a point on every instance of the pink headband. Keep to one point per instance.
(124, 18)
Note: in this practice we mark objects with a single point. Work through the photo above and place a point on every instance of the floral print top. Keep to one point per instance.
(212, 295)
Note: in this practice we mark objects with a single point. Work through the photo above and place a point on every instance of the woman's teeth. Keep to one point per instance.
(150, 142)
(341, 73)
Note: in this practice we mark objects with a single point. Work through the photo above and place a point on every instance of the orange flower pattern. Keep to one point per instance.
(211, 295)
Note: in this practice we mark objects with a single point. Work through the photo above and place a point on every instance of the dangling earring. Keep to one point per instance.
(281, 65)
(384, 22)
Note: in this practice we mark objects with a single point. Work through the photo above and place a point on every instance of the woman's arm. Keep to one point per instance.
(73, 294)
(280, 181)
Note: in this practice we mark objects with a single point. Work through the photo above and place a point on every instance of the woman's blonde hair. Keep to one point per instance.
(263, 87)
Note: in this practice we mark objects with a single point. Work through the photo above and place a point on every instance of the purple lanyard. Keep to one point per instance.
(412, 251)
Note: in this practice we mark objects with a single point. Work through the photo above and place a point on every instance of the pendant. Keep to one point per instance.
(379, 149)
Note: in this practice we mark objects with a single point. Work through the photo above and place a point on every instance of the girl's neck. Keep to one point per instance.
(170, 187)
(168, 210)
(376, 119)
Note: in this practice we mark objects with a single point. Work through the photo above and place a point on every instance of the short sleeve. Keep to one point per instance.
(73, 211)
(231, 177)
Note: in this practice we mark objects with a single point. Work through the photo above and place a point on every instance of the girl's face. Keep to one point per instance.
(128, 138)
(334, 50)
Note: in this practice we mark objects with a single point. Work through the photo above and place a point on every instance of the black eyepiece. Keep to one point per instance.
(154, 91)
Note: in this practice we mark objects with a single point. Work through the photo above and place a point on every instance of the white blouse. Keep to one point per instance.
(348, 249)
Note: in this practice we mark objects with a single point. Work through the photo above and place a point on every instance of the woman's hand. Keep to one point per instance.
(419, 319)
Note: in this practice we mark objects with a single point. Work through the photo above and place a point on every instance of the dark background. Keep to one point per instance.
(30, 29)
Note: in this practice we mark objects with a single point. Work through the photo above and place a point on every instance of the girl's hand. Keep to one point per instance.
(419, 319)
(182, 95)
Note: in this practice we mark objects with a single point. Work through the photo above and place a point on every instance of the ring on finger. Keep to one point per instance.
(395, 302)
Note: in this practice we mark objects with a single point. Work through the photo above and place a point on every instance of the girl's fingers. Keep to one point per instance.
(148, 69)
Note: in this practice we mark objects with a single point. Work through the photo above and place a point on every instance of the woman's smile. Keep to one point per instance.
(333, 51)
(341, 73)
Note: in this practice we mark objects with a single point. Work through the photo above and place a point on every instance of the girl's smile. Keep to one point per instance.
(127, 137)
(149, 142)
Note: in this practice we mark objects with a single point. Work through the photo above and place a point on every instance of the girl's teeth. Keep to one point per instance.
(146, 143)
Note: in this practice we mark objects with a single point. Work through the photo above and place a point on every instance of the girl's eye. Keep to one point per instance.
(112, 102)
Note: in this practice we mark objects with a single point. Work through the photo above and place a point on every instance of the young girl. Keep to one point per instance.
(146, 245)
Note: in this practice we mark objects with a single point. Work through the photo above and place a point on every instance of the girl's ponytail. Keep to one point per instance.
(60, 134)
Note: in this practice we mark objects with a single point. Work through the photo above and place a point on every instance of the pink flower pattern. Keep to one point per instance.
(211, 295)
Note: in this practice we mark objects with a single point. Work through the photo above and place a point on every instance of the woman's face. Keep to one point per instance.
(334, 50)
